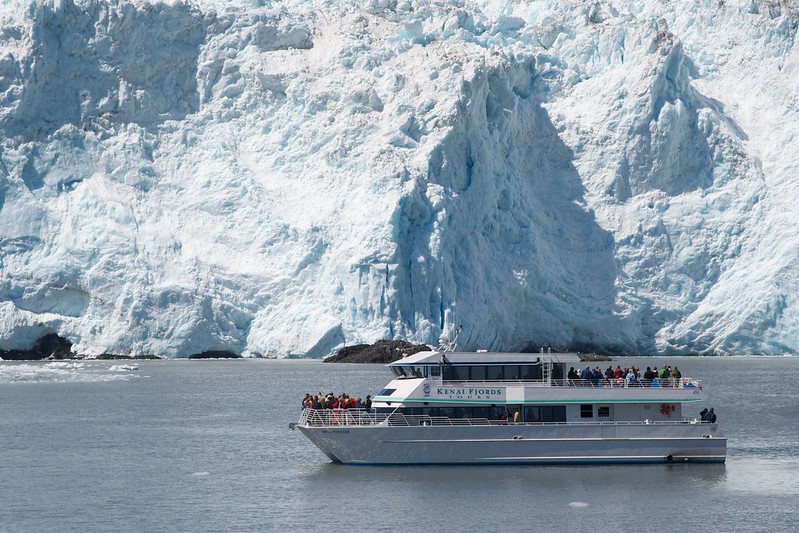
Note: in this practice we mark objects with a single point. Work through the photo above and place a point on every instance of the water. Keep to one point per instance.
(205, 446)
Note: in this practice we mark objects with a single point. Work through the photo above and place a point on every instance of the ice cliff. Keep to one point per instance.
(289, 177)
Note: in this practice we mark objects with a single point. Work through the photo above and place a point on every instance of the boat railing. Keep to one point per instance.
(657, 383)
(363, 417)
(624, 383)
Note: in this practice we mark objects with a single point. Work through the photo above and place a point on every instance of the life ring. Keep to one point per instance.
(666, 409)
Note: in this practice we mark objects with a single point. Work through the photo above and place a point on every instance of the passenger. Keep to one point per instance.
(517, 416)
(573, 376)
(368, 403)
(618, 373)
(316, 404)
(597, 375)
(656, 379)
(711, 416)
(648, 377)
(609, 374)
(359, 403)
(585, 377)
(703, 414)
(503, 416)
(305, 401)
(677, 375)
(630, 378)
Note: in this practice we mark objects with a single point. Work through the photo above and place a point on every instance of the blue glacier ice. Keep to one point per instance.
(289, 177)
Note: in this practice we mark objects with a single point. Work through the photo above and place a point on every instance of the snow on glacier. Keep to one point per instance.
(288, 177)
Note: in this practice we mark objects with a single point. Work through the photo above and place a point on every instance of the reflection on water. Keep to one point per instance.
(759, 476)
(712, 475)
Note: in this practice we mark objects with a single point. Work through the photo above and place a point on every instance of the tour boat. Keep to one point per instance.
(516, 408)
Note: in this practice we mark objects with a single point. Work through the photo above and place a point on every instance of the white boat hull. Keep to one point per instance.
(520, 444)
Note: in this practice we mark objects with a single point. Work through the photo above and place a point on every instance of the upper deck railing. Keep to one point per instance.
(362, 417)
(623, 383)
(658, 383)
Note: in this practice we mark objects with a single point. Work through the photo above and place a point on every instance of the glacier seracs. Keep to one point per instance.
(288, 177)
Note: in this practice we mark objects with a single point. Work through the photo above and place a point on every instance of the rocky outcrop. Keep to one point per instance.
(215, 354)
(382, 351)
(54, 347)
(50, 346)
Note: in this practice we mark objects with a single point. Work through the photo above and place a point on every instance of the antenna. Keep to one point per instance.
(447, 345)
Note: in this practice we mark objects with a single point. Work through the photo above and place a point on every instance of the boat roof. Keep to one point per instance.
(433, 357)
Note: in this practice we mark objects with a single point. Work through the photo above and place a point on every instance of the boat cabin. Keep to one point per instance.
(526, 387)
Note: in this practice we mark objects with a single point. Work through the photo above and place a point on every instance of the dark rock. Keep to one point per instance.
(382, 351)
(113, 356)
(50, 346)
(55, 347)
(215, 354)
(593, 357)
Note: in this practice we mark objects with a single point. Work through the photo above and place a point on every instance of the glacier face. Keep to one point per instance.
(287, 177)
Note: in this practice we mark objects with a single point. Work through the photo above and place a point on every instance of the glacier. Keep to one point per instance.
(290, 177)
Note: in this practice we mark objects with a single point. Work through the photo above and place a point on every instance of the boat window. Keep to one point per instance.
(513, 372)
(494, 373)
(496, 412)
(456, 373)
(461, 373)
(586, 410)
(532, 414)
(386, 392)
(545, 413)
(553, 413)
(478, 373)
(479, 412)
(603, 411)
(410, 371)
(532, 372)
(397, 371)
(435, 371)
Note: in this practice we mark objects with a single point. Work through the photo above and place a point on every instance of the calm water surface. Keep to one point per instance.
(205, 446)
